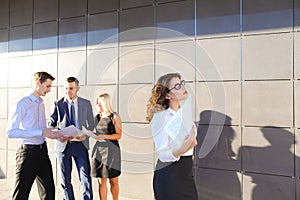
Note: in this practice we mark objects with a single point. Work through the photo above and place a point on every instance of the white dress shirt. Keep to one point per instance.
(164, 143)
(27, 120)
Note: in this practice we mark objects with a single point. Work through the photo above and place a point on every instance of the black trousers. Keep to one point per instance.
(33, 163)
(174, 180)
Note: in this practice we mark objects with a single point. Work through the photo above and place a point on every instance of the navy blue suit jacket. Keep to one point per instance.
(60, 118)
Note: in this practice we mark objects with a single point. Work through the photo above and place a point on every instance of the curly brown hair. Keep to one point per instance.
(157, 101)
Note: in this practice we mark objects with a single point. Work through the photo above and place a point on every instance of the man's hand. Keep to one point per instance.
(62, 138)
(48, 133)
(81, 138)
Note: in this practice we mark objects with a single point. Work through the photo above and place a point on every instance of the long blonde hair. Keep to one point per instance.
(107, 100)
(157, 101)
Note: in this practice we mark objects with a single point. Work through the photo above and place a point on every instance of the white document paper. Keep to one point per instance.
(70, 131)
(180, 125)
(88, 133)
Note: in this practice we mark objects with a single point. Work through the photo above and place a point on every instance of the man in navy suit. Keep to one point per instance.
(73, 110)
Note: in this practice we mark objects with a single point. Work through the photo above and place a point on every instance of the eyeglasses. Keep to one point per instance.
(178, 86)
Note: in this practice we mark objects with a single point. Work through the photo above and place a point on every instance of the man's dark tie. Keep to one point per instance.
(72, 114)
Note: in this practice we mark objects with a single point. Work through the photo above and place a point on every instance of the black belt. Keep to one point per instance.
(74, 142)
(34, 146)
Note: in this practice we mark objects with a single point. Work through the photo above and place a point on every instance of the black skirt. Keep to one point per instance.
(174, 180)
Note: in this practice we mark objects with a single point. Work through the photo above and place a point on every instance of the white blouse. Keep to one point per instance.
(164, 143)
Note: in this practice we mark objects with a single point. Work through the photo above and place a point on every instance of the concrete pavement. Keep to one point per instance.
(7, 186)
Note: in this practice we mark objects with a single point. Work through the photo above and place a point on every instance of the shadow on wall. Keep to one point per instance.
(2, 175)
(260, 163)
(267, 171)
(217, 170)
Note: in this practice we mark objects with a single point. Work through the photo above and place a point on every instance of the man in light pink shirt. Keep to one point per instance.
(27, 122)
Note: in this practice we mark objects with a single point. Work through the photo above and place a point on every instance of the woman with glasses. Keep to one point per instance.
(173, 178)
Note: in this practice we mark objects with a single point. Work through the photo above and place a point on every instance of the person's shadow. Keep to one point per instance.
(217, 166)
(270, 167)
(265, 166)
(2, 175)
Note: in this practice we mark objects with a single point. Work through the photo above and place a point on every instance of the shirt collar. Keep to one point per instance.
(35, 99)
(171, 111)
(70, 101)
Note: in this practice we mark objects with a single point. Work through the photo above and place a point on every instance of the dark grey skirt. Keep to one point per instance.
(106, 159)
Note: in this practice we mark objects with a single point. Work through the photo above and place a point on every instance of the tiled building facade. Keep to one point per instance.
(240, 59)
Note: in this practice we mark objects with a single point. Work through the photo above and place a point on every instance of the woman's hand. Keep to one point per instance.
(101, 137)
(188, 143)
